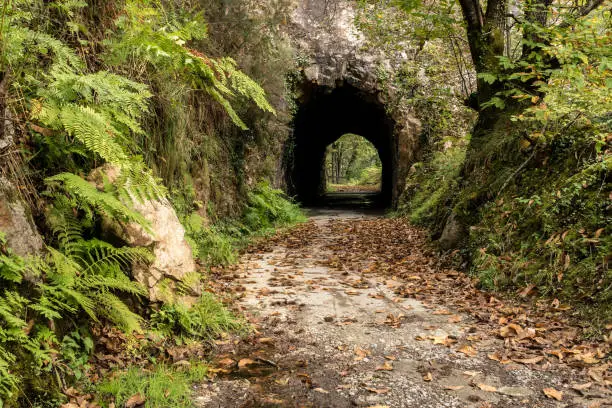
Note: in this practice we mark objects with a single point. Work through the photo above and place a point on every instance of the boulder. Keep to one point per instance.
(454, 233)
(16, 222)
(164, 235)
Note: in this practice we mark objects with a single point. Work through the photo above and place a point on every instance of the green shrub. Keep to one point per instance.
(210, 245)
(369, 176)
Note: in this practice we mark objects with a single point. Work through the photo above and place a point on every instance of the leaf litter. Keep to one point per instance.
(526, 332)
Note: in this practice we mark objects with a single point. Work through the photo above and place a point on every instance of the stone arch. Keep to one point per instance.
(325, 114)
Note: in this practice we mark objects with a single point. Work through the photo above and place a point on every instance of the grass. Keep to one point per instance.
(163, 386)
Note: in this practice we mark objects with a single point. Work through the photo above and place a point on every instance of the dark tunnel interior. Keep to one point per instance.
(324, 115)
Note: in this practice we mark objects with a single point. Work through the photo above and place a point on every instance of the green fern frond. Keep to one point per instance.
(117, 312)
(99, 256)
(93, 130)
(89, 196)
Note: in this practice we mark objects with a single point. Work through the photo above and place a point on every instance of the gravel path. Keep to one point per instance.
(332, 336)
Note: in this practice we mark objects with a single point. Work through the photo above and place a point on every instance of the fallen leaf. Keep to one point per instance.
(360, 353)
(455, 319)
(218, 371)
(487, 388)
(581, 387)
(552, 393)
(266, 340)
(428, 377)
(245, 362)
(378, 390)
(135, 400)
(444, 340)
(531, 360)
(468, 351)
(226, 362)
(386, 366)
(511, 330)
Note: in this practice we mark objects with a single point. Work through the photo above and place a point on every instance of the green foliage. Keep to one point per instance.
(72, 115)
(551, 229)
(370, 175)
(88, 198)
(210, 244)
(431, 185)
(162, 387)
(154, 37)
(216, 244)
(206, 319)
(268, 208)
(348, 157)
(81, 278)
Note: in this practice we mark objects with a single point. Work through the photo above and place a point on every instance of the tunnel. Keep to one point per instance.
(324, 114)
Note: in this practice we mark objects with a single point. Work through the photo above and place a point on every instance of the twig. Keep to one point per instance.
(516, 171)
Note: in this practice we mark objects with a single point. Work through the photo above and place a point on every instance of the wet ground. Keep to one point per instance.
(333, 333)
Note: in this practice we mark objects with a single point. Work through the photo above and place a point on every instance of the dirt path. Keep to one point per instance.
(351, 312)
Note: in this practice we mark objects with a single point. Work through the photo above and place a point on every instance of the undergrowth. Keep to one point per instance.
(266, 210)
(206, 319)
(160, 387)
(432, 184)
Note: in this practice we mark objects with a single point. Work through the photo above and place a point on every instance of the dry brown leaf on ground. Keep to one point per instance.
(245, 362)
(582, 387)
(529, 360)
(552, 393)
(486, 387)
(386, 366)
(135, 400)
(378, 390)
(360, 353)
(468, 351)
(226, 362)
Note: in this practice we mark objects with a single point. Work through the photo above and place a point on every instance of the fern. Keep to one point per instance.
(89, 197)
(149, 36)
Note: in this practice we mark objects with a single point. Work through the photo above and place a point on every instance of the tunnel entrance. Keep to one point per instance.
(324, 115)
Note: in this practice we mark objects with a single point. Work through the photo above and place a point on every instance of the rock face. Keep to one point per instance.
(165, 236)
(16, 222)
(15, 217)
(173, 256)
